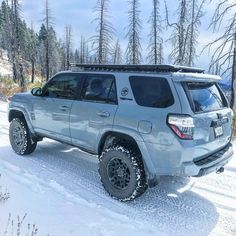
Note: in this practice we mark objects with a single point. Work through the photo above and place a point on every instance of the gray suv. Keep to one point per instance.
(142, 122)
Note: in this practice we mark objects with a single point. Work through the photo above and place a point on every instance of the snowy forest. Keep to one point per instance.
(40, 54)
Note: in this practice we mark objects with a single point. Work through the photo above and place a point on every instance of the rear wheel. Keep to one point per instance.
(122, 172)
(19, 136)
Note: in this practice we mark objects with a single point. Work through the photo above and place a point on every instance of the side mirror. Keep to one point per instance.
(37, 91)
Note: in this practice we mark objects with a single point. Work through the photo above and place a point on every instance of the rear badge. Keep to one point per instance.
(124, 92)
(219, 131)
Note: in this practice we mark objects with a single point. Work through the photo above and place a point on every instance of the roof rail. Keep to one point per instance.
(135, 68)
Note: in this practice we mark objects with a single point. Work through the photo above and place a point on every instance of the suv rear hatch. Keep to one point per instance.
(203, 100)
(211, 115)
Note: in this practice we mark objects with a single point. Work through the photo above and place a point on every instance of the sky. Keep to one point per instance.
(79, 14)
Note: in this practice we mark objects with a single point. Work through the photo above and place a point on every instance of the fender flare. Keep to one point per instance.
(134, 135)
(26, 116)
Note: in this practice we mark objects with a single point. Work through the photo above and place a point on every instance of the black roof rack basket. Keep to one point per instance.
(135, 68)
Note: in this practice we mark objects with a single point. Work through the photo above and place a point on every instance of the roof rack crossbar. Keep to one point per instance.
(136, 68)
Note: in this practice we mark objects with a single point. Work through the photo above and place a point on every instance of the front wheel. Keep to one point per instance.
(122, 172)
(19, 136)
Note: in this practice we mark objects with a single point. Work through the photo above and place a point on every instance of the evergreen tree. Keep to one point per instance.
(102, 41)
(68, 46)
(155, 53)
(117, 55)
(48, 25)
(133, 51)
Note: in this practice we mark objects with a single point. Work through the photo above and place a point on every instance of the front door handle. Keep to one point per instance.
(103, 113)
(64, 108)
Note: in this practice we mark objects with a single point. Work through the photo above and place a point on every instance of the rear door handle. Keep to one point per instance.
(103, 113)
(64, 108)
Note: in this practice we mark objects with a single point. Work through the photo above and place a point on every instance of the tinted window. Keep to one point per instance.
(151, 91)
(99, 88)
(63, 86)
(205, 97)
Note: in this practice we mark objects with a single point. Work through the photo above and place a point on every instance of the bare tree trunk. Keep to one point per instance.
(134, 34)
(82, 50)
(155, 31)
(223, 54)
(233, 75)
(100, 51)
(182, 35)
(32, 71)
(47, 42)
(190, 57)
(68, 46)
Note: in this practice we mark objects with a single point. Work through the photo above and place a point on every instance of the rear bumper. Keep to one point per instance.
(208, 164)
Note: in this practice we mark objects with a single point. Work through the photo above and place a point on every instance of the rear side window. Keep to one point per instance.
(205, 96)
(99, 88)
(151, 91)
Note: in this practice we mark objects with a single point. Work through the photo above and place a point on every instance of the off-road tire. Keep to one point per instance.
(20, 139)
(131, 158)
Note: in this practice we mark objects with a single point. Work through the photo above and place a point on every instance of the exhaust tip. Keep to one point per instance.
(220, 170)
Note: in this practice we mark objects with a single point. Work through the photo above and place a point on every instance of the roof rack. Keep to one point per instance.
(135, 68)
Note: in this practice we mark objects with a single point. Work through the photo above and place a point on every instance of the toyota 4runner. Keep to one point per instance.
(142, 122)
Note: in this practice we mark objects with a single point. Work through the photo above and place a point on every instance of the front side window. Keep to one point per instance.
(151, 91)
(63, 86)
(99, 88)
(205, 96)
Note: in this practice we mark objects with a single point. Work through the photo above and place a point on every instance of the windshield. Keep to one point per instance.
(205, 96)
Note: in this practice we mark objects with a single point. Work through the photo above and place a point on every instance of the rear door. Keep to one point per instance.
(93, 113)
(212, 117)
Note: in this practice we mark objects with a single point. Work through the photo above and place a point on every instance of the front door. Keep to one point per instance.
(52, 109)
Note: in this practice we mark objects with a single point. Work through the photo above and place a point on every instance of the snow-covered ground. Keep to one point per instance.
(59, 188)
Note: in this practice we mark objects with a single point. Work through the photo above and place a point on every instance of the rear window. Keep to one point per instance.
(205, 97)
(151, 91)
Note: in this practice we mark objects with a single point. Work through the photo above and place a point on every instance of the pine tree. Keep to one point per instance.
(193, 30)
(76, 56)
(48, 25)
(32, 51)
(82, 50)
(6, 31)
(54, 52)
(68, 45)
(102, 41)
(42, 50)
(155, 53)
(133, 51)
(117, 55)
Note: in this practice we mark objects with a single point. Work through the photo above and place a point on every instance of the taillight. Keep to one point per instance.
(181, 125)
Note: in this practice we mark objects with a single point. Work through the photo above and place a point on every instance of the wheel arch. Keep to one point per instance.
(19, 113)
(140, 145)
(111, 135)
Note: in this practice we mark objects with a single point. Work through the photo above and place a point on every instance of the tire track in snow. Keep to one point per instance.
(82, 176)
